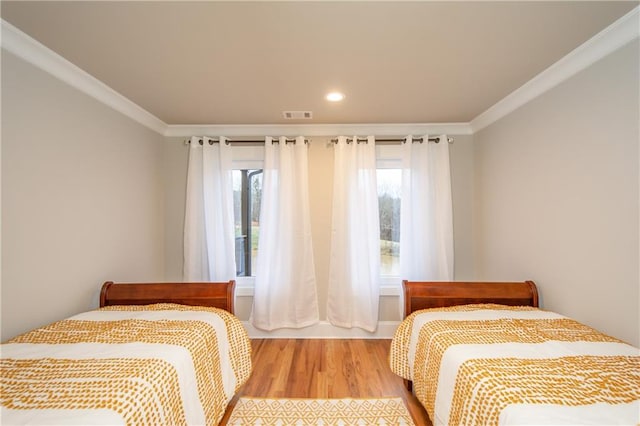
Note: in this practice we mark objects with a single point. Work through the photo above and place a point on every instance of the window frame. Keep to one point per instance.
(249, 157)
(389, 157)
(246, 210)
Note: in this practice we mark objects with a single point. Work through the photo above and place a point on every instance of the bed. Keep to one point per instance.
(153, 353)
(484, 353)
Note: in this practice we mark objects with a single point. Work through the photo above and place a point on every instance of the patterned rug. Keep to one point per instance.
(320, 412)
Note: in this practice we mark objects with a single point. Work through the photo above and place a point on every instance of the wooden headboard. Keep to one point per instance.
(434, 294)
(213, 294)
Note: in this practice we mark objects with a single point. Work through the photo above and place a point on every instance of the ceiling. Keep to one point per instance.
(243, 62)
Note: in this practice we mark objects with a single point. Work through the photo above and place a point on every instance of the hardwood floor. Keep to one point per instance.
(325, 368)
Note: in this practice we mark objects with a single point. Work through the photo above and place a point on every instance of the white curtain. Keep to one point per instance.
(285, 285)
(426, 218)
(354, 273)
(209, 245)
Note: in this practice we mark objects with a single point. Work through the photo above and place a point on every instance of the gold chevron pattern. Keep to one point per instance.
(142, 390)
(398, 360)
(490, 385)
(447, 333)
(239, 343)
(320, 412)
(149, 392)
(482, 386)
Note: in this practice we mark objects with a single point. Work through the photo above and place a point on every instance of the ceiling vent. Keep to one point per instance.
(297, 115)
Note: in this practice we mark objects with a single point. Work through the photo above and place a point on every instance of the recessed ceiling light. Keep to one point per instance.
(335, 97)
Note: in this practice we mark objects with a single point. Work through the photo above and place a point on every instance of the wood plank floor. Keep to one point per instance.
(325, 368)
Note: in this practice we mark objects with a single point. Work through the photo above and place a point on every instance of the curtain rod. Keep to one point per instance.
(258, 142)
(435, 139)
(245, 142)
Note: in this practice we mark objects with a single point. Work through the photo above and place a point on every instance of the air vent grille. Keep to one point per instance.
(297, 115)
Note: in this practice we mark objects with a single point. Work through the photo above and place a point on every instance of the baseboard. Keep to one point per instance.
(324, 330)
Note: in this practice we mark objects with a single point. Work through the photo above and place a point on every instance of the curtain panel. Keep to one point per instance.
(285, 285)
(354, 272)
(209, 245)
(426, 214)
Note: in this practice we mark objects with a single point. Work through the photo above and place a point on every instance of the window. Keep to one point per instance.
(389, 189)
(247, 195)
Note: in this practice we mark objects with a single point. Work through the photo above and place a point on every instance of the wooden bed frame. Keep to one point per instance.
(213, 294)
(435, 294)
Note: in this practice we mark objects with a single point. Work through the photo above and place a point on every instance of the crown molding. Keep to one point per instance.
(621, 32)
(256, 130)
(32, 51)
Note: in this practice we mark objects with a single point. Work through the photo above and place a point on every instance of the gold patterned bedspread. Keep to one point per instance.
(493, 364)
(162, 364)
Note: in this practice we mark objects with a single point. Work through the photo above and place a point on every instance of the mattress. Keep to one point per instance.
(155, 364)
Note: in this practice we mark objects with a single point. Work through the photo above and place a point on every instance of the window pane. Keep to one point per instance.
(238, 214)
(247, 195)
(389, 187)
(237, 201)
(255, 193)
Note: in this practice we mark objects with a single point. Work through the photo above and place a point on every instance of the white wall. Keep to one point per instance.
(321, 191)
(81, 199)
(556, 197)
